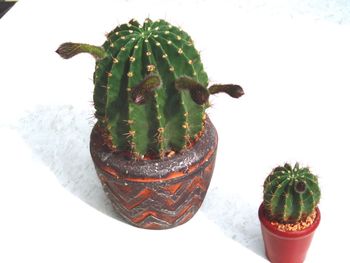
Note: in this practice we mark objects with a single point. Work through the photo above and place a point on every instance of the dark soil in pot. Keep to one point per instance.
(158, 193)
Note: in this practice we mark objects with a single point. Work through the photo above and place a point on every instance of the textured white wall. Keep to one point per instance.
(291, 57)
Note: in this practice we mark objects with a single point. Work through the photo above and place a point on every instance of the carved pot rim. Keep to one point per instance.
(119, 167)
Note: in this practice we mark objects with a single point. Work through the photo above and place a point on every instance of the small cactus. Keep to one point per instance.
(290, 194)
(150, 87)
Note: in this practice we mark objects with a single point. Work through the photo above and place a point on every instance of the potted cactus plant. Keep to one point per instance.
(153, 145)
(289, 214)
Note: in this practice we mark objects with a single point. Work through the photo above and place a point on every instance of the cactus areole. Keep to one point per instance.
(153, 145)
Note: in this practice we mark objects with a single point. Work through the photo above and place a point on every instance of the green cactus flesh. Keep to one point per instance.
(150, 88)
(290, 194)
(169, 119)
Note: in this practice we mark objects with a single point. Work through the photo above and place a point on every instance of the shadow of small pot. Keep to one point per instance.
(286, 247)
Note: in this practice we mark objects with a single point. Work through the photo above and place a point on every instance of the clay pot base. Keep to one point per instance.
(156, 194)
(300, 225)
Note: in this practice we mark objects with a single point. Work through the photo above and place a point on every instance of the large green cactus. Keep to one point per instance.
(290, 194)
(150, 87)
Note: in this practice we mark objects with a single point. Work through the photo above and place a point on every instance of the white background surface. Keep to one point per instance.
(292, 59)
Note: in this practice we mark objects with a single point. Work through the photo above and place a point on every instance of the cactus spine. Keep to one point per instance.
(150, 87)
(290, 194)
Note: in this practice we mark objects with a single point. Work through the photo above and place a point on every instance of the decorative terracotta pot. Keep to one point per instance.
(286, 247)
(159, 193)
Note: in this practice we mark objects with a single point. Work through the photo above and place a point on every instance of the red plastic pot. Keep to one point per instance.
(286, 247)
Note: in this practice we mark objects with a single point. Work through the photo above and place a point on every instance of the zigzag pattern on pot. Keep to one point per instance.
(160, 206)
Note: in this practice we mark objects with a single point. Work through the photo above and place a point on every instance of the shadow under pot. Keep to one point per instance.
(157, 193)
